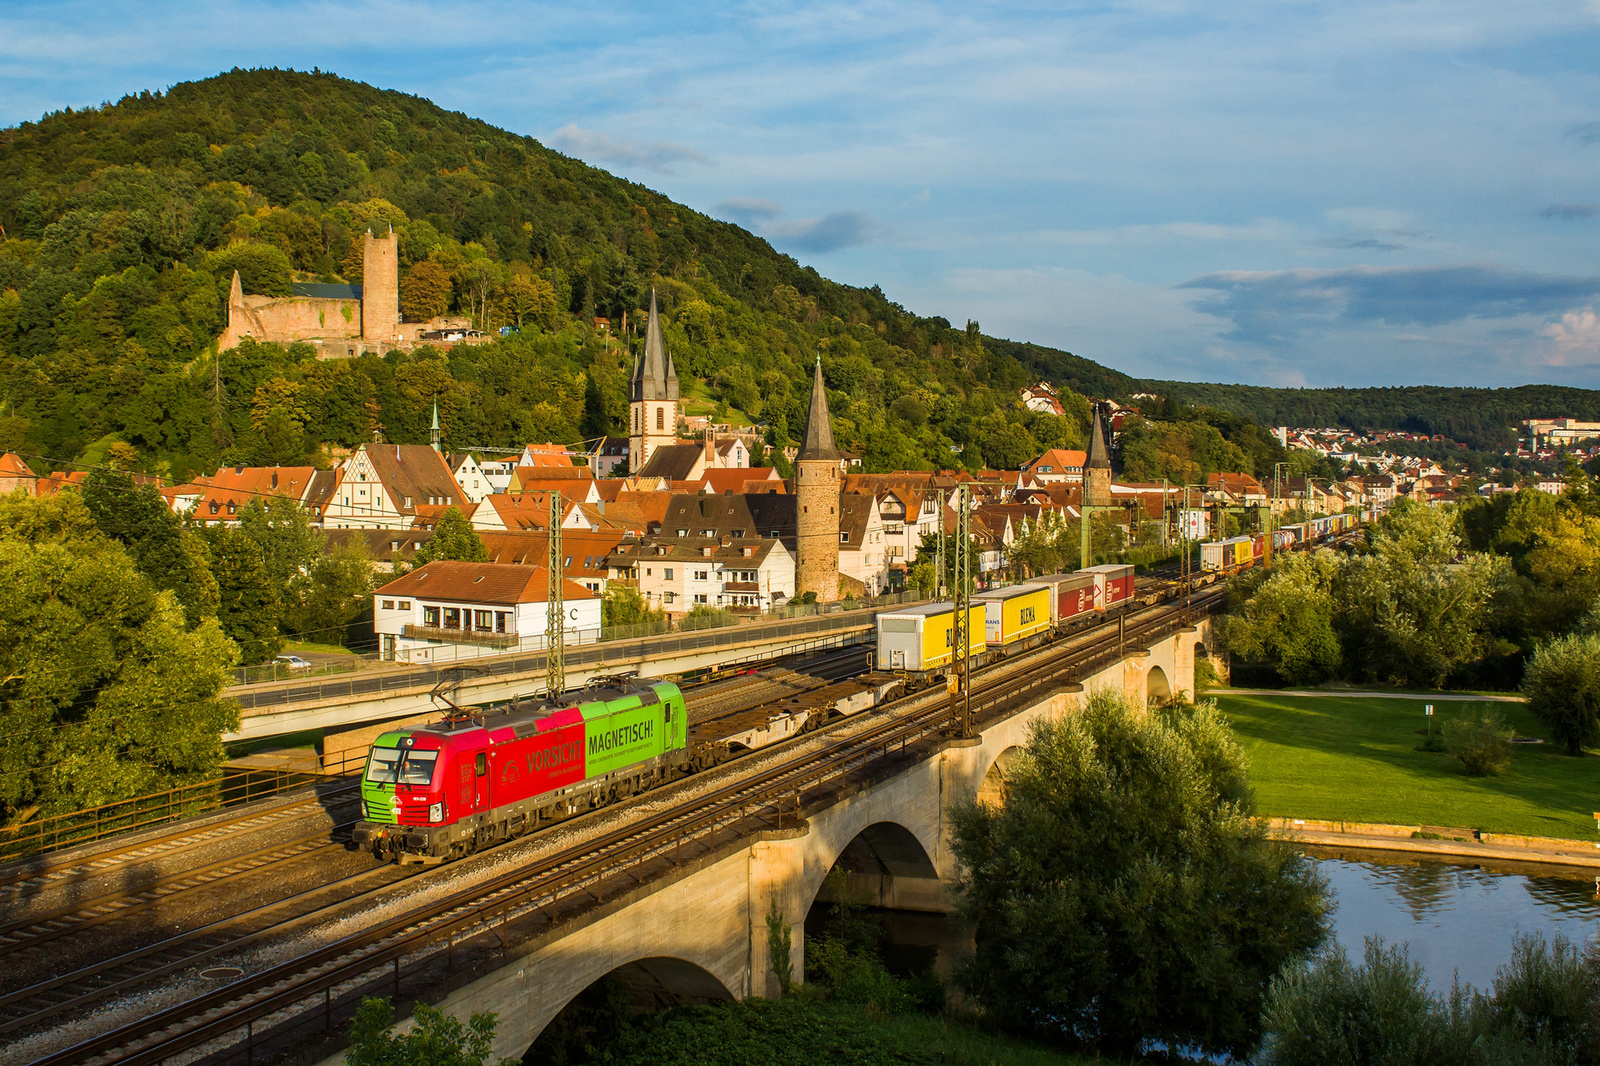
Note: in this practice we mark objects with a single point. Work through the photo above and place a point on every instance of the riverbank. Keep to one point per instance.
(1442, 842)
(1354, 759)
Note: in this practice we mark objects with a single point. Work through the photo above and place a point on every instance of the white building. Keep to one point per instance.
(445, 611)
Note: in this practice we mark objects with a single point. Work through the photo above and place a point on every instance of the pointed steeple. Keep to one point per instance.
(656, 378)
(818, 440)
(1099, 457)
(435, 435)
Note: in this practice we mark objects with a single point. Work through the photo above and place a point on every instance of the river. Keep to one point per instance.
(1458, 918)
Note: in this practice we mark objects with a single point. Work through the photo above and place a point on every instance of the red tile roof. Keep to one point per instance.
(480, 583)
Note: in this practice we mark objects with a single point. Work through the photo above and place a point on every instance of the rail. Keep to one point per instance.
(345, 969)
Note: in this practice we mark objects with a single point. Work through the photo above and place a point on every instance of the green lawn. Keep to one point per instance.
(1337, 757)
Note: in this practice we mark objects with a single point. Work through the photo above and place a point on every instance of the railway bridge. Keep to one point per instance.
(698, 930)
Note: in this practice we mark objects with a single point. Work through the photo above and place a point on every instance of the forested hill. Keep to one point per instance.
(121, 227)
(1482, 418)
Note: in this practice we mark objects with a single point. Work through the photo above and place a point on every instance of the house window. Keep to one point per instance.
(683, 532)
(667, 597)
(661, 418)
(667, 573)
(483, 620)
(500, 621)
(452, 618)
(388, 605)
(405, 605)
(407, 499)
(430, 617)
(844, 536)
(699, 598)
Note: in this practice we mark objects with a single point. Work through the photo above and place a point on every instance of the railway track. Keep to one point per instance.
(27, 877)
(684, 831)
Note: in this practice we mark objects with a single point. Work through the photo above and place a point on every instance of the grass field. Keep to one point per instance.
(1353, 759)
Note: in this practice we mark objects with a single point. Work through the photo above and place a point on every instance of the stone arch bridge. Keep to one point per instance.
(702, 934)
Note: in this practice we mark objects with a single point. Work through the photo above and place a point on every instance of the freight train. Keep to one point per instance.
(918, 643)
(443, 790)
(1236, 553)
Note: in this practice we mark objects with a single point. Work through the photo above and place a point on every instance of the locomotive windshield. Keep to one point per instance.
(407, 767)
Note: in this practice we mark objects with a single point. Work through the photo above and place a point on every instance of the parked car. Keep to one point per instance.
(294, 662)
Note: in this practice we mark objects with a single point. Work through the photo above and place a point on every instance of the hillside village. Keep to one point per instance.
(696, 528)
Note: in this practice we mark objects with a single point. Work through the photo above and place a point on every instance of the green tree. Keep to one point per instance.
(289, 546)
(1288, 622)
(336, 604)
(1124, 893)
(424, 291)
(453, 538)
(107, 693)
(437, 1039)
(250, 606)
(622, 605)
(171, 556)
(1562, 683)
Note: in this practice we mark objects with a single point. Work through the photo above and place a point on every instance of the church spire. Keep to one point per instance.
(656, 378)
(818, 440)
(435, 434)
(1098, 458)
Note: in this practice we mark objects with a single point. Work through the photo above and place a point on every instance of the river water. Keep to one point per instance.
(1458, 918)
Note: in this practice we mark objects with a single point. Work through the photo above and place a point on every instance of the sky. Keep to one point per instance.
(1284, 192)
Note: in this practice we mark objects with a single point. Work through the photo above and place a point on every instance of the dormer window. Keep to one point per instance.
(683, 532)
(408, 501)
(844, 537)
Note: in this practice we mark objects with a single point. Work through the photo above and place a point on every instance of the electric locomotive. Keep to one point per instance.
(440, 791)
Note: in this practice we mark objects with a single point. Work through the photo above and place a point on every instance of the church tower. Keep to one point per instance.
(1097, 467)
(380, 288)
(816, 487)
(652, 397)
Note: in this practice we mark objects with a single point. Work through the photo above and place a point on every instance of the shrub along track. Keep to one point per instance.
(270, 1005)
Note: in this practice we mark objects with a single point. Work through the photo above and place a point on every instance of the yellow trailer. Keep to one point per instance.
(1014, 613)
(920, 638)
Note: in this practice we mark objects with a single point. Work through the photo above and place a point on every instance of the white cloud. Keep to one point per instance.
(1575, 340)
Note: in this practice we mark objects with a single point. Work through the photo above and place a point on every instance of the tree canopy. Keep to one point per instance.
(1123, 893)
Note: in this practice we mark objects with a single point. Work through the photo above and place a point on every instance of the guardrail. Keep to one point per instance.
(373, 683)
(140, 812)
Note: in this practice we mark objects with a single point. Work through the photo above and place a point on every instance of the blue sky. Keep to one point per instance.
(1288, 192)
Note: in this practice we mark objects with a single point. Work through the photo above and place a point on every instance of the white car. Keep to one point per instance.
(294, 662)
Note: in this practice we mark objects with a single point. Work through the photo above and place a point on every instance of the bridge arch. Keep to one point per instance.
(1156, 686)
(992, 790)
(875, 859)
(643, 986)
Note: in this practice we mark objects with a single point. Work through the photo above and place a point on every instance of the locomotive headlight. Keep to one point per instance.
(363, 809)
(436, 812)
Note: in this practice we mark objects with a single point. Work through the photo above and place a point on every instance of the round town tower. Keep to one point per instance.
(816, 488)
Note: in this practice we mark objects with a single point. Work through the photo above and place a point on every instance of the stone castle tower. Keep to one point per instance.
(346, 318)
(652, 397)
(1097, 467)
(816, 487)
(380, 287)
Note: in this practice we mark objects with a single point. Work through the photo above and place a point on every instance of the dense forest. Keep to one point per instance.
(121, 228)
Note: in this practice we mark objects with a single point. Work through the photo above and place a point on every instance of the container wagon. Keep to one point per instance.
(443, 790)
(1113, 584)
(1014, 615)
(919, 639)
(1071, 596)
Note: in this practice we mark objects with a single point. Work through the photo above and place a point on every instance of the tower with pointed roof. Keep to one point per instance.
(652, 396)
(1097, 467)
(435, 437)
(816, 488)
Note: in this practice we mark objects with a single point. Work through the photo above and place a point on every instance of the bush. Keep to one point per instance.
(1381, 1012)
(701, 616)
(1480, 742)
(1562, 683)
(1544, 1010)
